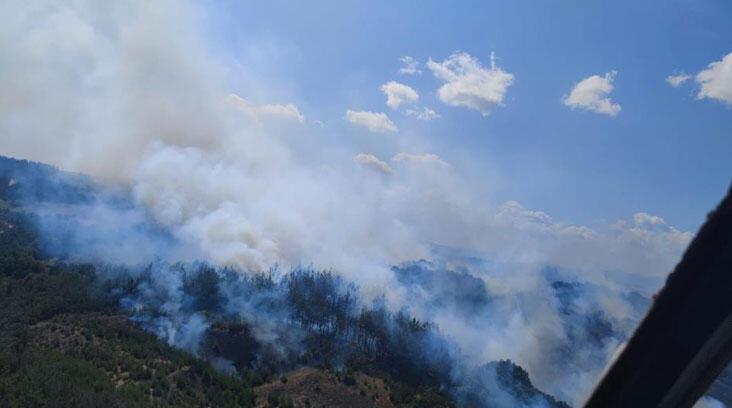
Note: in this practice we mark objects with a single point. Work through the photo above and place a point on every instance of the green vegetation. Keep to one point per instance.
(81, 335)
(279, 399)
(63, 344)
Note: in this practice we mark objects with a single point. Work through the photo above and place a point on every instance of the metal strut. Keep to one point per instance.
(685, 340)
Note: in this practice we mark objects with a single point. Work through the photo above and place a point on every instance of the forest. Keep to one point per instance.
(193, 334)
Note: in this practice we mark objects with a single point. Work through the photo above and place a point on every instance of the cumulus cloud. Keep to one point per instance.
(398, 94)
(646, 220)
(512, 211)
(425, 114)
(591, 94)
(410, 66)
(372, 162)
(426, 158)
(258, 112)
(649, 246)
(469, 84)
(377, 122)
(716, 81)
(678, 79)
(647, 225)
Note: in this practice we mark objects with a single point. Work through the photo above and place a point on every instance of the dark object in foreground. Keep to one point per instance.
(685, 341)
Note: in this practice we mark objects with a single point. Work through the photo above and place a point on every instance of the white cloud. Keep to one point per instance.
(591, 94)
(645, 245)
(469, 84)
(538, 222)
(398, 94)
(519, 215)
(677, 80)
(426, 158)
(646, 220)
(377, 122)
(716, 80)
(425, 113)
(258, 112)
(645, 224)
(372, 162)
(410, 66)
(288, 111)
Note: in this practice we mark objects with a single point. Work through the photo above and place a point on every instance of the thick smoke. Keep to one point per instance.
(562, 328)
(129, 93)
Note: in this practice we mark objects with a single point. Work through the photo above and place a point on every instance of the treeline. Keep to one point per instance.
(262, 325)
(71, 333)
(322, 321)
(319, 318)
(63, 342)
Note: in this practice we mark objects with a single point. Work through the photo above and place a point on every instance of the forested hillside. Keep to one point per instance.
(192, 334)
(64, 342)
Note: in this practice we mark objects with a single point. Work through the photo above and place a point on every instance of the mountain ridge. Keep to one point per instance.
(87, 323)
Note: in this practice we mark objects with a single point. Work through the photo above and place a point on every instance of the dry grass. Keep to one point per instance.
(310, 387)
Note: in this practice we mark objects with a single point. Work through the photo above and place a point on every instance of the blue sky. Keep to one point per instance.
(665, 153)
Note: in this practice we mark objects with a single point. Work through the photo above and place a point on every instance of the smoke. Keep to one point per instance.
(161, 305)
(561, 329)
(560, 326)
(129, 93)
(273, 322)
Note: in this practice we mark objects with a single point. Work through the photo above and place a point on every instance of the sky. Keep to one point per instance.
(665, 152)
(589, 136)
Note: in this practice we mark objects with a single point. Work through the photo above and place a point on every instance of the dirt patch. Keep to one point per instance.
(310, 387)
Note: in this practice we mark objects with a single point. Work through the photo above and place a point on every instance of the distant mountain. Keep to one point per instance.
(22, 181)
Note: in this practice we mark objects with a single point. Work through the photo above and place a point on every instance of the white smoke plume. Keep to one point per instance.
(129, 92)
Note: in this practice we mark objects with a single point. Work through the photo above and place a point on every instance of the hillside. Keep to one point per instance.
(317, 388)
(95, 334)
(64, 344)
